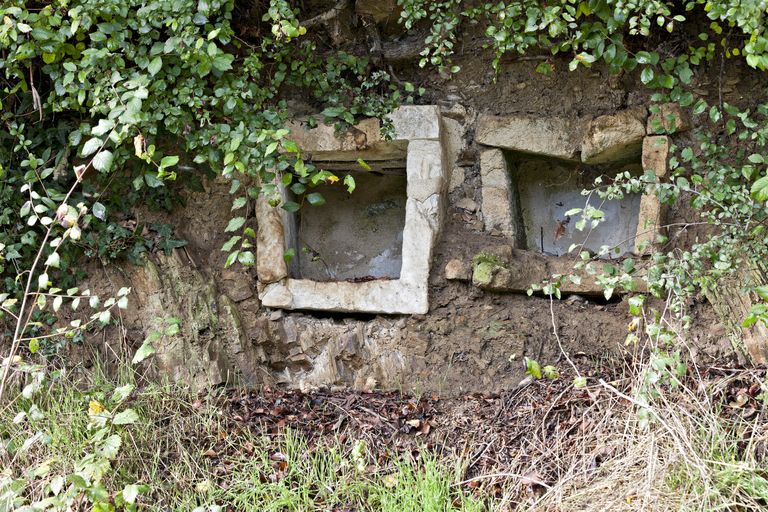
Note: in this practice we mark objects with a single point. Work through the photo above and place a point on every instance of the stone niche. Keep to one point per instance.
(547, 189)
(352, 237)
(534, 170)
(369, 251)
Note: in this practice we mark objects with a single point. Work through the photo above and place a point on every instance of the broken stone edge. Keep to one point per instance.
(426, 187)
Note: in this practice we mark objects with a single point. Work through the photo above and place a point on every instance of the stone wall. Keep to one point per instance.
(457, 319)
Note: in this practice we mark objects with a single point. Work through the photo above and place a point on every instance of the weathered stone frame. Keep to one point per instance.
(419, 128)
(562, 139)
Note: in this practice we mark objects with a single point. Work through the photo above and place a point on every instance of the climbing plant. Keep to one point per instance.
(152, 92)
(721, 172)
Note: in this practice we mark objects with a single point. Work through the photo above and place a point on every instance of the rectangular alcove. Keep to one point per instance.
(546, 189)
(369, 251)
(352, 237)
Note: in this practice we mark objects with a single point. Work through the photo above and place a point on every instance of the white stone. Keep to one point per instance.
(550, 137)
(386, 297)
(452, 139)
(424, 167)
(457, 270)
(414, 122)
(466, 203)
(497, 193)
(457, 178)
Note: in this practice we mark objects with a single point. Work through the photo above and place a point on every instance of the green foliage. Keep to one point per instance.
(57, 484)
(597, 30)
(324, 476)
(151, 92)
(722, 173)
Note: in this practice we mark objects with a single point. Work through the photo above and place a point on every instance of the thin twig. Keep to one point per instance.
(557, 336)
(504, 475)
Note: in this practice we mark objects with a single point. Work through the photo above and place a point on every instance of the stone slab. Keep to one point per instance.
(649, 221)
(549, 137)
(270, 245)
(614, 138)
(416, 122)
(381, 296)
(363, 140)
(656, 154)
(496, 189)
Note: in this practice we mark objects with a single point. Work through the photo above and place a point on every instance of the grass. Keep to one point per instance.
(327, 479)
(171, 449)
(700, 453)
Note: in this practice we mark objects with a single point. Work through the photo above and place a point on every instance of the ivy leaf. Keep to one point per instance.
(109, 447)
(223, 62)
(155, 66)
(231, 259)
(99, 211)
(127, 417)
(579, 382)
(349, 182)
(104, 126)
(291, 206)
(91, 146)
(646, 75)
(53, 260)
(762, 292)
(235, 224)
(103, 161)
(145, 350)
(168, 161)
(685, 74)
(130, 493)
(760, 189)
(246, 258)
(315, 199)
(122, 393)
(230, 243)
(532, 368)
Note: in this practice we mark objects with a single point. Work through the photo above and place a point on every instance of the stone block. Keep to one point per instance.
(504, 269)
(452, 139)
(648, 222)
(656, 154)
(415, 122)
(614, 138)
(496, 189)
(467, 204)
(424, 167)
(270, 247)
(237, 285)
(382, 296)
(360, 141)
(549, 137)
(671, 118)
(457, 178)
(508, 270)
(457, 270)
